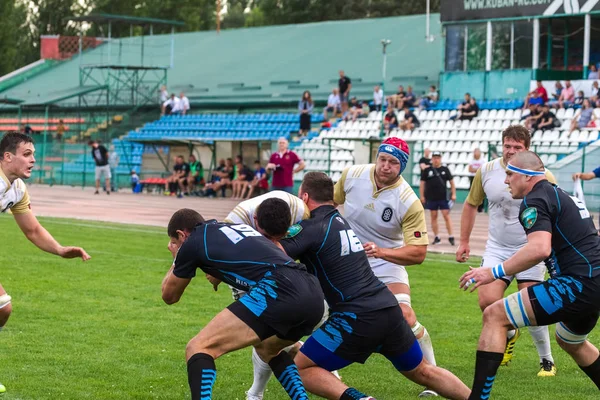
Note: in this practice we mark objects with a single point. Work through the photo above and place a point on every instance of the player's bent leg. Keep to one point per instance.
(540, 334)
(223, 334)
(438, 379)
(5, 307)
(314, 363)
(585, 354)
(262, 372)
(513, 311)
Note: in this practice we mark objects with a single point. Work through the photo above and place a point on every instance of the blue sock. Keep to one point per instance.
(352, 394)
(201, 376)
(287, 374)
(486, 366)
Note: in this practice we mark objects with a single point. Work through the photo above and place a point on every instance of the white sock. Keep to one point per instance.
(510, 334)
(262, 374)
(541, 339)
(425, 343)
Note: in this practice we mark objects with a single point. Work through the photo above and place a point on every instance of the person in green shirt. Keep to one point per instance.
(196, 176)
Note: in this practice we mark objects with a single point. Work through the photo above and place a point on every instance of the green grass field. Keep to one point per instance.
(99, 330)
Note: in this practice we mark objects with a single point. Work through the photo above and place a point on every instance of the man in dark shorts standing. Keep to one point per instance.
(560, 232)
(364, 314)
(344, 86)
(282, 305)
(283, 164)
(434, 194)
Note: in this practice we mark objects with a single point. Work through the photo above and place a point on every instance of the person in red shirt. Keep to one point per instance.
(540, 90)
(282, 164)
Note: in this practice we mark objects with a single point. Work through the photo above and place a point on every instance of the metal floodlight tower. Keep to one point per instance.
(384, 44)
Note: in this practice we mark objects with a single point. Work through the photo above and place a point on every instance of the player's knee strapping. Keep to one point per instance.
(403, 298)
(515, 310)
(568, 336)
(4, 300)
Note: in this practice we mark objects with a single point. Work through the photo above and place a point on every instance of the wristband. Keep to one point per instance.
(498, 271)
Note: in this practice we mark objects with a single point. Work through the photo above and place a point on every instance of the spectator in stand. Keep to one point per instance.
(60, 130)
(172, 106)
(217, 174)
(430, 99)
(344, 86)
(583, 117)
(185, 103)
(425, 161)
(259, 180)
(408, 99)
(377, 97)
(541, 92)
(548, 120)
(434, 194)
(244, 176)
(164, 95)
(100, 156)
(282, 164)
(171, 182)
(462, 107)
(354, 111)
(593, 74)
(410, 120)
(113, 162)
(579, 99)
(305, 106)
(535, 115)
(536, 100)
(567, 96)
(558, 88)
(395, 99)
(227, 176)
(390, 120)
(595, 97)
(134, 179)
(468, 109)
(333, 104)
(196, 177)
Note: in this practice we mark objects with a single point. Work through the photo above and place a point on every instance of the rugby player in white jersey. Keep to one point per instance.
(16, 162)
(505, 237)
(245, 213)
(388, 217)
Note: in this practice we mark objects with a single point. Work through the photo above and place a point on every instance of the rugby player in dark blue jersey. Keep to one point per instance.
(284, 302)
(560, 232)
(364, 314)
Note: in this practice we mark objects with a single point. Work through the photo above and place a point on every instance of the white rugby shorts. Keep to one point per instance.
(388, 272)
(493, 257)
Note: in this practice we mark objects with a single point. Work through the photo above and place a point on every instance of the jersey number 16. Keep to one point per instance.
(350, 243)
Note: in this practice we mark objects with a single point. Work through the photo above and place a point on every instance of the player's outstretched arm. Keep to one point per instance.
(405, 255)
(39, 236)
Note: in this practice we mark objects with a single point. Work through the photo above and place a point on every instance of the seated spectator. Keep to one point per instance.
(541, 92)
(377, 97)
(354, 110)
(172, 106)
(470, 112)
(595, 97)
(390, 120)
(196, 177)
(584, 117)
(579, 99)
(430, 99)
(593, 74)
(547, 121)
(239, 184)
(135, 180)
(221, 177)
(180, 173)
(536, 113)
(465, 106)
(394, 100)
(408, 99)
(185, 103)
(365, 110)
(333, 104)
(567, 96)
(164, 95)
(259, 180)
(558, 88)
(410, 120)
(536, 100)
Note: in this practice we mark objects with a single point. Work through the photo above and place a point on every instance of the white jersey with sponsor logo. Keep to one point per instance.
(391, 217)
(244, 212)
(13, 197)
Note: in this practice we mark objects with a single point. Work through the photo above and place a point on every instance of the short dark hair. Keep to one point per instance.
(517, 133)
(256, 161)
(318, 186)
(11, 141)
(273, 216)
(185, 219)
(91, 142)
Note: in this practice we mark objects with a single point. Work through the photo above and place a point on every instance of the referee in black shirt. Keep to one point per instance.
(561, 233)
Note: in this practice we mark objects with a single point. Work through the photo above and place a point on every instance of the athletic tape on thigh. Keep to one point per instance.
(567, 336)
(403, 298)
(4, 300)
(515, 310)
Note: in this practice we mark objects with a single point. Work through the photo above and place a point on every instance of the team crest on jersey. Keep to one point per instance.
(528, 217)
(293, 231)
(387, 214)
